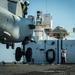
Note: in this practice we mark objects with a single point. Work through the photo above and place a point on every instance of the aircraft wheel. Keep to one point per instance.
(29, 55)
(18, 54)
(12, 45)
(7, 46)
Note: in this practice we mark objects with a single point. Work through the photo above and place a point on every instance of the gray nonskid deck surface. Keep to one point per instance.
(25, 69)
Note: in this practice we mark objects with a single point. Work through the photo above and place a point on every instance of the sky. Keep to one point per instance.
(63, 13)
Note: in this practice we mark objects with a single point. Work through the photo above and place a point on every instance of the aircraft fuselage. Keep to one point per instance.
(15, 28)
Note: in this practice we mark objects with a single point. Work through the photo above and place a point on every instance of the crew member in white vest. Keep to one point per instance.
(63, 56)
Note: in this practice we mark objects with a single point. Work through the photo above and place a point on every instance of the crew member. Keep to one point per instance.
(63, 56)
(24, 8)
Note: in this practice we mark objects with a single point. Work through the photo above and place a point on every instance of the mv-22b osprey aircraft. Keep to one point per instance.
(14, 27)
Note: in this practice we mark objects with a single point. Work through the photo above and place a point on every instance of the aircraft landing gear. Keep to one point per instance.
(21, 52)
(10, 44)
(18, 54)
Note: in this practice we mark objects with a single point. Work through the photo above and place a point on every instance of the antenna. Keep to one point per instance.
(46, 7)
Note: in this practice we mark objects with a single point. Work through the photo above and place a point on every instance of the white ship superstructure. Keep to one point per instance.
(47, 50)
